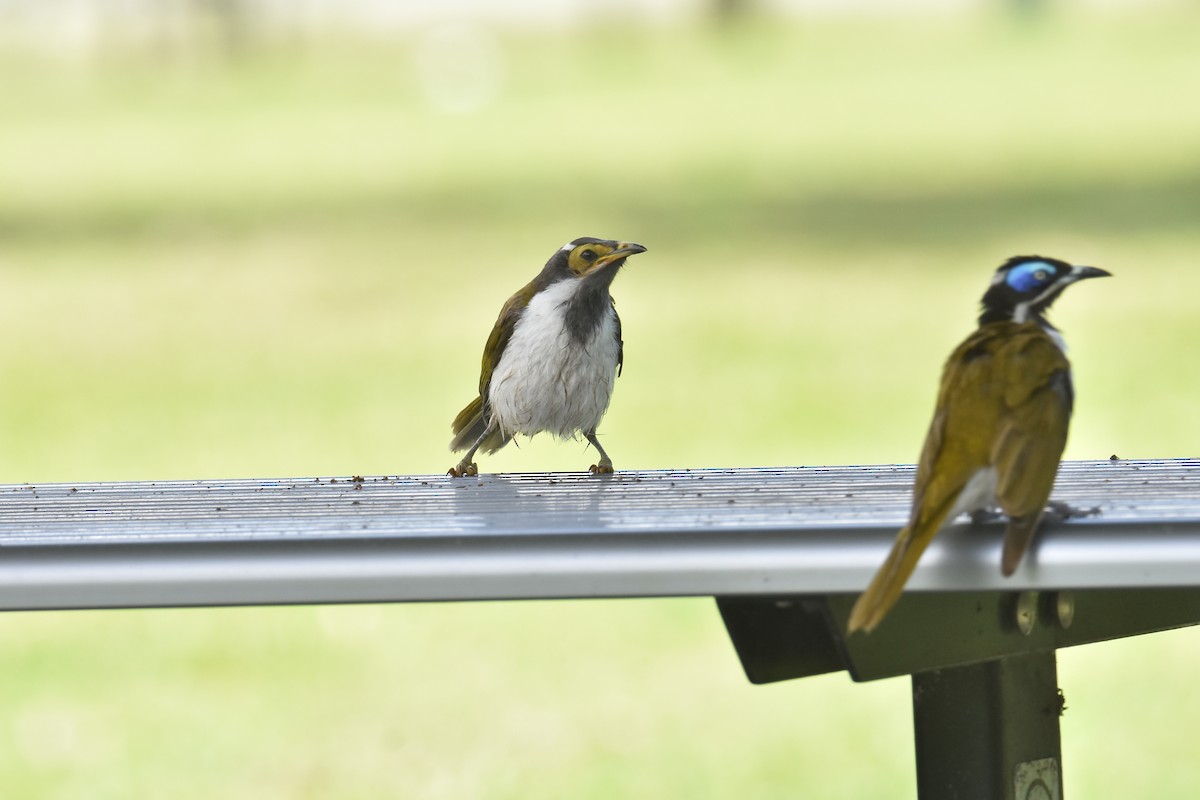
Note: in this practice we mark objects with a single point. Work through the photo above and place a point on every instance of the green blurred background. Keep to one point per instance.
(237, 240)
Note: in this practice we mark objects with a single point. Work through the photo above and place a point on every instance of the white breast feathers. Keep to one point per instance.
(978, 494)
(547, 381)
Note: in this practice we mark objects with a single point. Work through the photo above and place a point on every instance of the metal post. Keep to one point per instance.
(989, 731)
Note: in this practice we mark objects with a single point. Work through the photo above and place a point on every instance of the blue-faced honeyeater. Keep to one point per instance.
(998, 430)
(552, 357)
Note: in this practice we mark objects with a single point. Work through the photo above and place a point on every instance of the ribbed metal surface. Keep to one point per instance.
(687, 532)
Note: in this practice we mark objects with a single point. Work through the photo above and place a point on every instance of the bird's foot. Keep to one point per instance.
(605, 467)
(464, 469)
(982, 516)
(1058, 511)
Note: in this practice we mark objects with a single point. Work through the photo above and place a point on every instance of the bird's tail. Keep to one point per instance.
(469, 425)
(1016, 540)
(885, 588)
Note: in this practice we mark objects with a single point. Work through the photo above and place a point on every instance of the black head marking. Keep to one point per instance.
(1025, 286)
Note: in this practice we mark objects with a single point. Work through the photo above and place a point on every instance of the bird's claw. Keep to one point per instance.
(467, 470)
(1059, 511)
(982, 516)
(603, 468)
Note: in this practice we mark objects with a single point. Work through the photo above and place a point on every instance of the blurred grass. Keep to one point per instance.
(287, 265)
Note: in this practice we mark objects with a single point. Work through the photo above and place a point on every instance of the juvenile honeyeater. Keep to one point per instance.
(552, 357)
(999, 427)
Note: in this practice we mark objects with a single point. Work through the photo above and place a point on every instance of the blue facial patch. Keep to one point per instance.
(1030, 276)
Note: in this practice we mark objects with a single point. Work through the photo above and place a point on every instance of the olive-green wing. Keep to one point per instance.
(500, 336)
(472, 421)
(958, 443)
(1030, 439)
(956, 447)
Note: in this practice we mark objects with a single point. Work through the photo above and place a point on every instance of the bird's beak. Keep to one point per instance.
(623, 251)
(1079, 273)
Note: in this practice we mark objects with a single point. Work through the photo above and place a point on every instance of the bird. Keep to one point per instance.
(552, 356)
(998, 429)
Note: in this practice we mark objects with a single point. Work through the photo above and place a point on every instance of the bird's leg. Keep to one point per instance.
(466, 467)
(604, 466)
(1058, 511)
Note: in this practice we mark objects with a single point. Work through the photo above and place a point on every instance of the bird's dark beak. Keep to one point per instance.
(1079, 273)
(623, 251)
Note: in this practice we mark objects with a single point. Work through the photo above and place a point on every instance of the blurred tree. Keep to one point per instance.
(1027, 9)
(231, 22)
(732, 10)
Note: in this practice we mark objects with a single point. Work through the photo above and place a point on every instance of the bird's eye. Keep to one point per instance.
(588, 255)
(1041, 275)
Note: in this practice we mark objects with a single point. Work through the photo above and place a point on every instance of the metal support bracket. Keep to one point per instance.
(986, 702)
(779, 638)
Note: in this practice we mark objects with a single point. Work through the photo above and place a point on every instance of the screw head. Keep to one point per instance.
(1026, 614)
(1064, 609)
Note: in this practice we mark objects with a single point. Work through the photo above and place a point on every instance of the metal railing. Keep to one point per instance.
(783, 550)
